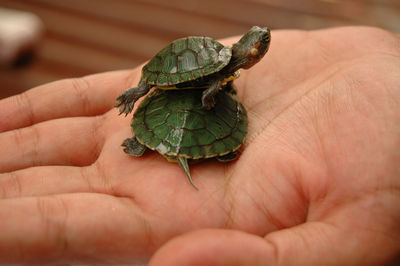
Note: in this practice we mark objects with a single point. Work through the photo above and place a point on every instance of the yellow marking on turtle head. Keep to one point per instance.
(254, 50)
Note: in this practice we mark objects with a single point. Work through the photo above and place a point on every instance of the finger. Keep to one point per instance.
(86, 96)
(67, 141)
(128, 177)
(51, 180)
(79, 227)
(215, 247)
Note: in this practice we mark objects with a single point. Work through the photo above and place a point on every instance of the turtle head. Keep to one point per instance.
(251, 47)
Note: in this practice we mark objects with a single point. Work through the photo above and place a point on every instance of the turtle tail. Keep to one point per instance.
(184, 164)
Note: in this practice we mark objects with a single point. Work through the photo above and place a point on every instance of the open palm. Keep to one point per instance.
(317, 181)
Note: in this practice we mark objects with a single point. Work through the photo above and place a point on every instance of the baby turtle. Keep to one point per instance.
(175, 124)
(198, 62)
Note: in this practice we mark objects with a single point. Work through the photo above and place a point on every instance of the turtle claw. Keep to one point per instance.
(127, 99)
(208, 104)
(125, 108)
(133, 147)
(125, 103)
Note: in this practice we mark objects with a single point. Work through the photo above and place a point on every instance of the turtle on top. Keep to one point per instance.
(198, 62)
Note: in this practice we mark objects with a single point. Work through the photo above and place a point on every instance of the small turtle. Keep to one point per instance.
(175, 124)
(198, 62)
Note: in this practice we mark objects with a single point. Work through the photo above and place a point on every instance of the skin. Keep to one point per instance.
(317, 183)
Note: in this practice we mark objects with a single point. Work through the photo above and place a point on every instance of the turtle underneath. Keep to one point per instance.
(175, 124)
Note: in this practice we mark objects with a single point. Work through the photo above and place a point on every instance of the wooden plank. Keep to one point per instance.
(140, 14)
(58, 60)
(388, 3)
(253, 13)
(55, 56)
(370, 12)
(117, 39)
(17, 80)
(26, 78)
(83, 57)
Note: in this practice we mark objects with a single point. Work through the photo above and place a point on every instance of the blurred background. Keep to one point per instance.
(81, 37)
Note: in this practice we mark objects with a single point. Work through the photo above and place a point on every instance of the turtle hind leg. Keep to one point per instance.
(184, 164)
(228, 157)
(133, 147)
(127, 99)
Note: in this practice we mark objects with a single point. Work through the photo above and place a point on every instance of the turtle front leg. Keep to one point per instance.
(127, 99)
(133, 147)
(207, 98)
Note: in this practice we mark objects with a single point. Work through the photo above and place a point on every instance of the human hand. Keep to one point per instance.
(317, 182)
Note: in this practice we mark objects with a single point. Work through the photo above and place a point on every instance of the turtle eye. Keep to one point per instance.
(254, 51)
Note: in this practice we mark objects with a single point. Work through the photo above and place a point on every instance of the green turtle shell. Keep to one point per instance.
(175, 124)
(184, 60)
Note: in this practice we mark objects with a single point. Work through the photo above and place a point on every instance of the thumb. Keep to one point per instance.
(214, 247)
(311, 243)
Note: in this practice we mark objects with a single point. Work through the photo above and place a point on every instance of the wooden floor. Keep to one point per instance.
(89, 36)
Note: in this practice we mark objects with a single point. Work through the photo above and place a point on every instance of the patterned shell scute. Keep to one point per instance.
(184, 60)
(174, 123)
